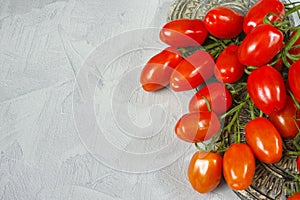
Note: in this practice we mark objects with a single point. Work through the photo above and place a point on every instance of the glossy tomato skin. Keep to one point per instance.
(267, 89)
(294, 79)
(285, 119)
(216, 94)
(260, 46)
(259, 10)
(184, 32)
(197, 126)
(205, 171)
(264, 140)
(223, 22)
(294, 196)
(228, 68)
(157, 72)
(239, 166)
(192, 71)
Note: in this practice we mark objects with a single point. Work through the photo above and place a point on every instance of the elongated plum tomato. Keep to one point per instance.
(260, 46)
(197, 126)
(294, 79)
(216, 95)
(239, 166)
(205, 171)
(255, 15)
(264, 140)
(267, 89)
(295, 196)
(184, 32)
(285, 120)
(192, 71)
(157, 72)
(228, 68)
(223, 22)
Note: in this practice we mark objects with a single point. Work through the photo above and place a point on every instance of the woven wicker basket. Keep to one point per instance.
(270, 181)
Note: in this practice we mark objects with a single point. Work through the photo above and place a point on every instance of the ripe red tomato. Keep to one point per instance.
(260, 46)
(197, 126)
(223, 22)
(192, 71)
(184, 32)
(294, 79)
(295, 196)
(285, 119)
(157, 72)
(205, 171)
(264, 140)
(228, 68)
(298, 163)
(239, 166)
(217, 95)
(259, 10)
(267, 89)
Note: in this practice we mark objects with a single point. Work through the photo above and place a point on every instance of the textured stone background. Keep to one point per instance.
(43, 44)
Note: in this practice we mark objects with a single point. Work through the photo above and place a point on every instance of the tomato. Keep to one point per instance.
(259, 10)
(294, 79)
(267, 89)
(285, 119)
(197, 126)
(205, 171)
(264, 140)
(260, 46)
(228, 68)
(192, 71)
(239, 166)
(295, 196)
(223, 22)
(184, 32)
(217, 95)
(157, 72)
(298, 163)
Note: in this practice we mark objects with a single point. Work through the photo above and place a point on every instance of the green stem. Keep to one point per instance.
(232, 87)
(284, 58)
(236, 110)
(292, 10)
(292, 57)
(293, 153)
(251, 107)
(238, 132)
(296, 140)
(213, 140)
(291, 4)
(233, 110)
(293, 40)
(199, 148)
(277, 58)
(261, 113)
(206, 102)
(211, 46)
(295, 100)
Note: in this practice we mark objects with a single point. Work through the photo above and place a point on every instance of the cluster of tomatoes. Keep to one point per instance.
(222, 56)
